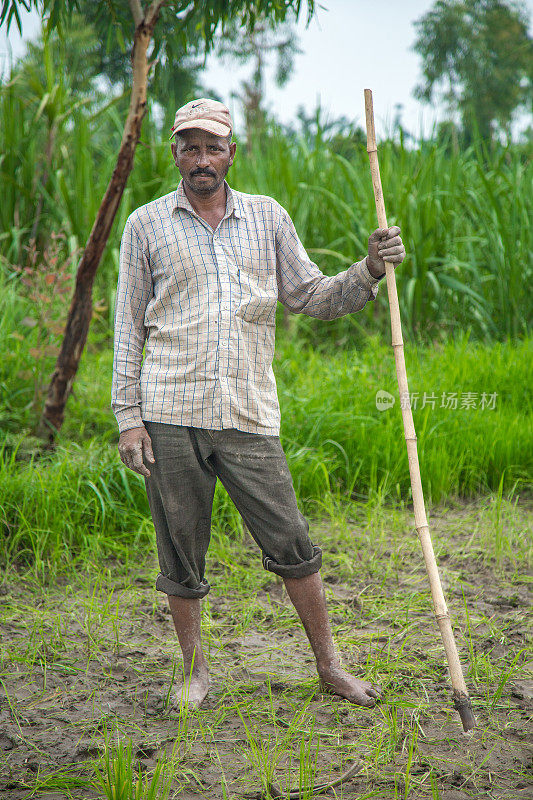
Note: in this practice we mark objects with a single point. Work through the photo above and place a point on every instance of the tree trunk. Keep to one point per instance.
(79, 317)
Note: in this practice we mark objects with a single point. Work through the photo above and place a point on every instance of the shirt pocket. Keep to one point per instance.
(255, 277)
(258, 295)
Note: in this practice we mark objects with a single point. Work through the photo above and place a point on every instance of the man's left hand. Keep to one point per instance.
(385, 244)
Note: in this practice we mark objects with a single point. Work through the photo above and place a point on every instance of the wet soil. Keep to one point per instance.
(85, 660)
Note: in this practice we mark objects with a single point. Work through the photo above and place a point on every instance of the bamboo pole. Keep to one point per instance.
(460, 693)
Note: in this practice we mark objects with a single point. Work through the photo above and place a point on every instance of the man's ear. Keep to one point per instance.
(174, 149)
(232, 149)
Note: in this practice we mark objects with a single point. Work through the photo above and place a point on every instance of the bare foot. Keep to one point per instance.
(194, 690)
(337, 681)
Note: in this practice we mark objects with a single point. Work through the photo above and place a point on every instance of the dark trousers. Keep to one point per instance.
(253, 469)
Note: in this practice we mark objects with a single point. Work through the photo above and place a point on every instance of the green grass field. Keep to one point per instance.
(89, 660)
(341, 449)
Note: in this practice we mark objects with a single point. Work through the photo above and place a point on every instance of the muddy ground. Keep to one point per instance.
(96, 659)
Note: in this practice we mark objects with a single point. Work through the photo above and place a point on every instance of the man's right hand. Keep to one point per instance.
(131, 444)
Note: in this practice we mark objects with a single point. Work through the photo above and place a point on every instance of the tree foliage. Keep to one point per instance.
(184, 33)
(178, 19)
(477, 56)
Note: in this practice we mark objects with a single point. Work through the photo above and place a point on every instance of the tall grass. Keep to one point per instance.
(339, 446)
(341, 443)
(464, 216)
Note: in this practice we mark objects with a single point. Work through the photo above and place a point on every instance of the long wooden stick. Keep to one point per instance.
(461, 699)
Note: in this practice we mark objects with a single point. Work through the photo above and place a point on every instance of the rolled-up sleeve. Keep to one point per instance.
(304, 289)
(134, 291)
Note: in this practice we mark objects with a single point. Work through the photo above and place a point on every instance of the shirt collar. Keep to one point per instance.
(233, 201)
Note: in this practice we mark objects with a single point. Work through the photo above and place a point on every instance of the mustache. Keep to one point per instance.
(203, 172)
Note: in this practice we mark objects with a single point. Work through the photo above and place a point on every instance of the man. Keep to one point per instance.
(201, 271)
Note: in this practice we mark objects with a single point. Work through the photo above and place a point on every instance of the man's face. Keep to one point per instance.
(203, 160)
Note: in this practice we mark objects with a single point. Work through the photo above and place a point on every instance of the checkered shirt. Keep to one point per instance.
(202, 304)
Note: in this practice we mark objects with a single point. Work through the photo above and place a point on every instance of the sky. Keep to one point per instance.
(349, 46)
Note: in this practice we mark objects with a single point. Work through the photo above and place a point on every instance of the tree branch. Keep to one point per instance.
(136, 11)
(153, 12)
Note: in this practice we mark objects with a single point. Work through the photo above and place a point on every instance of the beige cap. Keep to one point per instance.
(208, 115)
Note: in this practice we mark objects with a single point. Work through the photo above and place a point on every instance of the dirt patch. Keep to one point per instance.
(94, 662)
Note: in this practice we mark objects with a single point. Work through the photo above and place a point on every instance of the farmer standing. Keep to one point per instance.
(201, 271)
